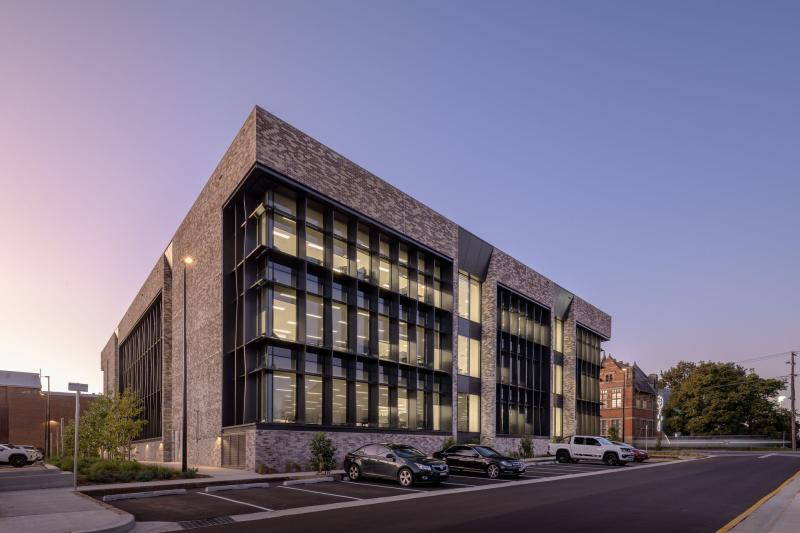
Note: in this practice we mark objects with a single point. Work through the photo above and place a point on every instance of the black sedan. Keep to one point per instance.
(481, 459)
(400, 462)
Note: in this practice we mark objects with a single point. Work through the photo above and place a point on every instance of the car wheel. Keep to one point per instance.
(562, 456)
(611, 459)
(354, 472)
(405, 477)
(18, 461)
(493, 471)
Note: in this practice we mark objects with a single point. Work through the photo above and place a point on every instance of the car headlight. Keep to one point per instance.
(423, 467)
(505, 463)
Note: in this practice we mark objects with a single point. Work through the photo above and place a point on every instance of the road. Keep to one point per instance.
(33, 477)
(701, 495)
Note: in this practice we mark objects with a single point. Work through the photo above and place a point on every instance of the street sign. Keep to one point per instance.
(78, 387)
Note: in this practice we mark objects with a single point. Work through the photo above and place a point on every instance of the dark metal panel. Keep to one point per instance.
(473, 254)
(562, 301)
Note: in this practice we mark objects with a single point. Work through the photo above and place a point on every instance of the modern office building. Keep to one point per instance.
(321, 298)
(628, 401)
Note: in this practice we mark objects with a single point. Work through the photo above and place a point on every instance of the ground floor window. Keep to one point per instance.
(469, 413)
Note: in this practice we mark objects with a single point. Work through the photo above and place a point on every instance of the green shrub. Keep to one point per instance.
(525, 447)
(449, 441)
(190, 473)
(323, 453)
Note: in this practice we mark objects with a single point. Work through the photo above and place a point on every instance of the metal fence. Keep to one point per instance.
(714, 441)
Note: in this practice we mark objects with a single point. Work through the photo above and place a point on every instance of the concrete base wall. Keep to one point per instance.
(287, 451)
(509, 445)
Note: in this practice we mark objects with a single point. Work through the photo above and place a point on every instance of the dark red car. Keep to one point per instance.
(638, 455)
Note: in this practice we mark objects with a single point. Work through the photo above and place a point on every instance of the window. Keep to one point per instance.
(421, 348)
(362, 404)
(340, 226)
(362, 237)
(559, 336)
(384, 348)
(384, 246)
(314, 284)
(278, 358)
(362, 332)
(403, 289)
(558, 424)
(616, 398)
(284, 234)
(403, 341)
(339, 410)
(385, 274)
(315, 246)
(284, 314)
(469, 356)
(313, 391)
(403, 255)
(284, 201)
(362, 264)
(280, 273)
(339, 325)
(314, 215)
(558, 379)
(340, 262)
(314, 320)
(402, 407)
(383, 406)
(283, 397)
(421, 287)
(469, 297)
(422, 401)
(469, 412)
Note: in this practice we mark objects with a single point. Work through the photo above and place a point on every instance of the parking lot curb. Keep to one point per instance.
(291, 482)
(136, 495)
(218, 488)
(125, 523)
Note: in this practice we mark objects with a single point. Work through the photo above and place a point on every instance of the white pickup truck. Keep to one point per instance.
(577, 448)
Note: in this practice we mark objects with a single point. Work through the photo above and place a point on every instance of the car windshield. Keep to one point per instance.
(486, 451)
(407, 452)
(603, 441)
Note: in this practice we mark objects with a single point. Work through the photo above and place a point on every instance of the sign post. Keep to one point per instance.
(78, 388)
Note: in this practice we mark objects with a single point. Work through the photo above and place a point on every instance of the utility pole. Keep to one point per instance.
(792, 377)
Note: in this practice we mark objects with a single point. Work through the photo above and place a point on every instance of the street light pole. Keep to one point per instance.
(186, 261)
(792, 377)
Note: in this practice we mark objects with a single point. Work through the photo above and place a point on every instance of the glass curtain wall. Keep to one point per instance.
(523, 366)
(329, 320)
(587, 381)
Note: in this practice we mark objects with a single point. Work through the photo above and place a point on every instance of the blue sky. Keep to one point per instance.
(642, 155)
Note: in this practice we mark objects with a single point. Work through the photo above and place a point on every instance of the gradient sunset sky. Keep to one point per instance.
(646, 157)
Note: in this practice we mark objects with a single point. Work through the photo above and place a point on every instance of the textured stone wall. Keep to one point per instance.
(109, 357)
(591, 317)
(291, 152)
(570, 423)
(489, 352)
(166, 448)
(149, 450)
(509, 445)
(284, 450)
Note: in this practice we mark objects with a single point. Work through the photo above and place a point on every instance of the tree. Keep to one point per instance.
(110, 424)
(613, 434)
(673, 378)
(723, 399)
(323, 453)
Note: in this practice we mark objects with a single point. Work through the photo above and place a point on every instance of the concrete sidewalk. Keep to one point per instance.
(778, 514)
(59, 511)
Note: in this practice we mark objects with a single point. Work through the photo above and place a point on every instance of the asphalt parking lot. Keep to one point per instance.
(35, 476)
(197, 508)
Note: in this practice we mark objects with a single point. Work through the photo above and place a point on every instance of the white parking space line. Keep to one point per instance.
(235, 501)
(458, 484)
(381, 486)
(765, 456)
(320, 492)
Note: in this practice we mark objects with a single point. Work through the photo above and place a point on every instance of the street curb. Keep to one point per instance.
(125, 524)
(291, 482)
(218, 488)
(137, 495)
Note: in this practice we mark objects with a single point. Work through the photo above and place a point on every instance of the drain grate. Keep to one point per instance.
(204, 522)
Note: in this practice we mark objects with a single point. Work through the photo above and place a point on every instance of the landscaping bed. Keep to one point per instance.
(95, 471)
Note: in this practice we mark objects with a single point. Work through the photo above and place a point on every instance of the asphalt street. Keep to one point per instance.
(33, 477)
(701, 495)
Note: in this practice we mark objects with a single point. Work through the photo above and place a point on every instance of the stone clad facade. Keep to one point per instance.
(268, 146)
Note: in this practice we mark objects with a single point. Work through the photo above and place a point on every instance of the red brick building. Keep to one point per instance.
(627, 400)
(23, 410)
